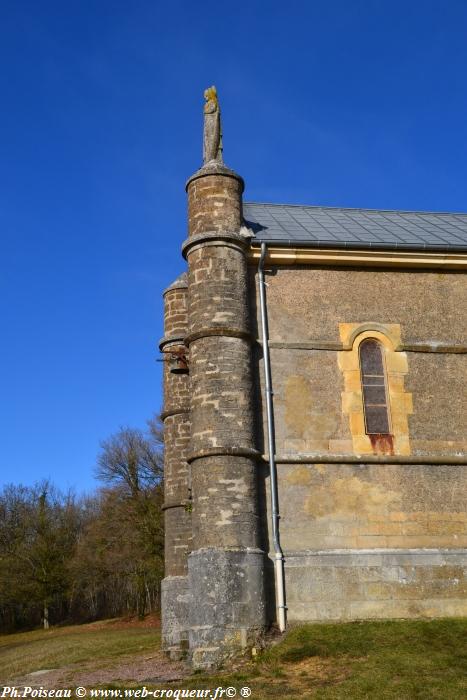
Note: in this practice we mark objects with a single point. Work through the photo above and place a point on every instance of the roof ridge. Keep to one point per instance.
(386, 211)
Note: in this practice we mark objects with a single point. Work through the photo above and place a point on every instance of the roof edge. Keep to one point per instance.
(358, 245)
(338, 208)
(361, 257)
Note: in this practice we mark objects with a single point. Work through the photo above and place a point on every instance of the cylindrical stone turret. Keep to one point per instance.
(227, 611)
(177, 496)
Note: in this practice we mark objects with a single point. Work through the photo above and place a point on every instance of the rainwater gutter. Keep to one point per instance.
(278, 554)
(365, 245)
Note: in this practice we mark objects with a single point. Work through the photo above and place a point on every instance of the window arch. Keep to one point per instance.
(396, 406)
(374, 389)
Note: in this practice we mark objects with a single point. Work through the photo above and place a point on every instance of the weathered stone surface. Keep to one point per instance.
(175, 308)
(221, 399)
(225, 512)
(354, 585)
(215, 203)
(307, 302)
(366, 506)
(227, 612)
(175, 607)
(438, 422)
(178, 538)
(225, 567)
(176, 469)
(212, 133)
(218, 288)
(331, 514)
(177, 494)
(308, 390)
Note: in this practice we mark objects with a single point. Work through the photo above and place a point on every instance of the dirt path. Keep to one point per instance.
(154, 668)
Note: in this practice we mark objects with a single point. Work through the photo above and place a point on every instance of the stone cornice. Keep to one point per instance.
(215, 168)
(322, 344)
(173, 412)
(215, 238)
(186, 504)
(213, 331)
(171, 340)
(329, 458)
(277, 255)
(228, 451)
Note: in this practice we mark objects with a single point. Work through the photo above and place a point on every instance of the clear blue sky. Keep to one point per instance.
(360, 103)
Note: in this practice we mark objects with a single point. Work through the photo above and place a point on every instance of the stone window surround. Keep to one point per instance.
(396, 365)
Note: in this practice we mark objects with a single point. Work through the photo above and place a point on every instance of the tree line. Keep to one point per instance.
(69, 558)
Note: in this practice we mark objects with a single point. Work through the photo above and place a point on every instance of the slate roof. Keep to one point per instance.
(333, 227)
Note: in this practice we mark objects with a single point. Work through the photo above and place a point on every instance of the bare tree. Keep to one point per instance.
(64, 558)
(130, 459)
(132, 462)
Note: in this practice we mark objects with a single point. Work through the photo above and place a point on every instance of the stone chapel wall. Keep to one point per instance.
(366, 539)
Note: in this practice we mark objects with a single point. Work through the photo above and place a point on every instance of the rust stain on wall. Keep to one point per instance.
(382, 444)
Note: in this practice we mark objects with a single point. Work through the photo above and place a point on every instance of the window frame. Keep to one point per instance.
(400, 401)
(387, 404)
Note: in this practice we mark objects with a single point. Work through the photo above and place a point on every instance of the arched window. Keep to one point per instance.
(375, 402)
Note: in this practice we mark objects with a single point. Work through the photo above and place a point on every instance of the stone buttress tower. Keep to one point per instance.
(225, 567)
(177, 499)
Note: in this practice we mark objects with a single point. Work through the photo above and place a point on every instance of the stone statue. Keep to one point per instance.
(212, 137)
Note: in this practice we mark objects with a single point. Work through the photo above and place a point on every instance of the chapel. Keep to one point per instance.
(315, 416)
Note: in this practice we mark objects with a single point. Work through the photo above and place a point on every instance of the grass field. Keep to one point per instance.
(79, 645)
(386, 659)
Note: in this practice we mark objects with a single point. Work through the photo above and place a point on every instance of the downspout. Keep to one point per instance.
(278, 554)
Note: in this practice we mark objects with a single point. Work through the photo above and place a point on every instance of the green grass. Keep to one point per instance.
(387, 659)
(61, 646)
(395, 659)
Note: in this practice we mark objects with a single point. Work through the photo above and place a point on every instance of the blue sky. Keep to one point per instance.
(359, 103)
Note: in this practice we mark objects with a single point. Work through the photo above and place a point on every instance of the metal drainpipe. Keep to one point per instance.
(279, 556)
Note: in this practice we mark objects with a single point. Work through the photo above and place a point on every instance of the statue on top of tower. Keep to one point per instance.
(212, 136)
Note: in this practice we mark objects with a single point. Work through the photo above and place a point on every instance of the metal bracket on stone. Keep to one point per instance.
(177, 359)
